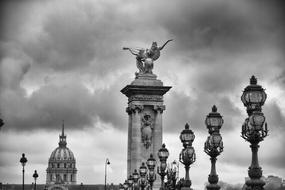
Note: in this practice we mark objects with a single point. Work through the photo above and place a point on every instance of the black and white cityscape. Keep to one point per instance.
(142, 95)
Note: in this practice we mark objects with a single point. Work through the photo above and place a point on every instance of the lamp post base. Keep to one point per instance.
(213, 187)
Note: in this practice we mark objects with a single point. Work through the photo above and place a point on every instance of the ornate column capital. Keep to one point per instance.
(133, 108)
(159, 108)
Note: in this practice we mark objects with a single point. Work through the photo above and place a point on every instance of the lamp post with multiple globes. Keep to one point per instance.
(214, 145)
(172, 175)
(136, 177)
(161, 169)
(125, 185)
(143, 172)
(254, 130)
(187, 155)
(130, 182)
(151, 177)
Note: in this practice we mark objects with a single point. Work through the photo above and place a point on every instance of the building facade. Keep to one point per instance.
(62, 164)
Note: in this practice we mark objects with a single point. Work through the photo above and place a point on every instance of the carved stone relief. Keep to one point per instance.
(146, 129)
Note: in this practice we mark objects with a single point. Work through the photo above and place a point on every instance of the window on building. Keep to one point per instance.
(50, 177)
(57, 165)
(64, 165)
(71, 177)
(64, 177)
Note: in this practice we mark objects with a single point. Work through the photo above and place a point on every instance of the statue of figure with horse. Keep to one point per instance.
(145, 57)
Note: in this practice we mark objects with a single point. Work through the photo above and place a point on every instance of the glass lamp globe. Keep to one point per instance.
(216, 140)
(163, 153)
(187, 136)
(126, 185)
(143, 170)
(257, 120)
(214, 120)
(136, 176)
(151, 162)
(130, 180)
(253, 95)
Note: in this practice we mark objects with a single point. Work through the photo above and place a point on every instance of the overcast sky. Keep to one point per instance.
(63, 60)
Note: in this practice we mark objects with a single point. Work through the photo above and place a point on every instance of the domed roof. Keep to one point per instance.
(62, 152)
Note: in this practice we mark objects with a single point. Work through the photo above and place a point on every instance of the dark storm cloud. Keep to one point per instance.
(83, 37)
(181, 109)
(88, 38)
(8, 21)
(73, 39)
(47, 107)
(224, 26)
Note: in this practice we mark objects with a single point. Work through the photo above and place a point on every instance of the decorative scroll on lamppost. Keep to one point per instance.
(143, 172)
(254, 130)
(161, 170)
(187, 155)
(23, 161)
(35, 176)
(214, 145)
(151, 177)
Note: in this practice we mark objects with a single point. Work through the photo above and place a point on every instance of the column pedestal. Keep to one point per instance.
(145, 108)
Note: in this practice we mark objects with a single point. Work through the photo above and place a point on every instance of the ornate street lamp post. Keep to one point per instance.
(35, 176)
(151, 177)
(126, 185)
(136, 179)
(143, 172)
(254, 130)
(214, 145)
(187, 155)
(161, 170)
(107, 162)
(172, 173)
(130, 182)
(23, 161)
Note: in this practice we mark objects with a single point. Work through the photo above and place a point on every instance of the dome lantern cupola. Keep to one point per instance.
(62, 137)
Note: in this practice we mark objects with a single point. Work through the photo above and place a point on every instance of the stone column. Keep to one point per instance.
(130, 113)
(136, 138)
(157, 132)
